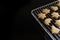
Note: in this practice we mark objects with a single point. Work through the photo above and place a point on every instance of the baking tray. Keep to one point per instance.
(34, 12)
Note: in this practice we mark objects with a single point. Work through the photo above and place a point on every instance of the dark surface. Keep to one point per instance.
(25, 27)
(26, 24)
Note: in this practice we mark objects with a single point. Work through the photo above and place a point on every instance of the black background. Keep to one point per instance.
(22, 26)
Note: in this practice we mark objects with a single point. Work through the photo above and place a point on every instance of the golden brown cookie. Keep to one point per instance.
(46, 11)
(41, 16)
(55, 8)
(47, 21)
(55, 15)
(54, 30)
(57, 22)
(58, 4)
